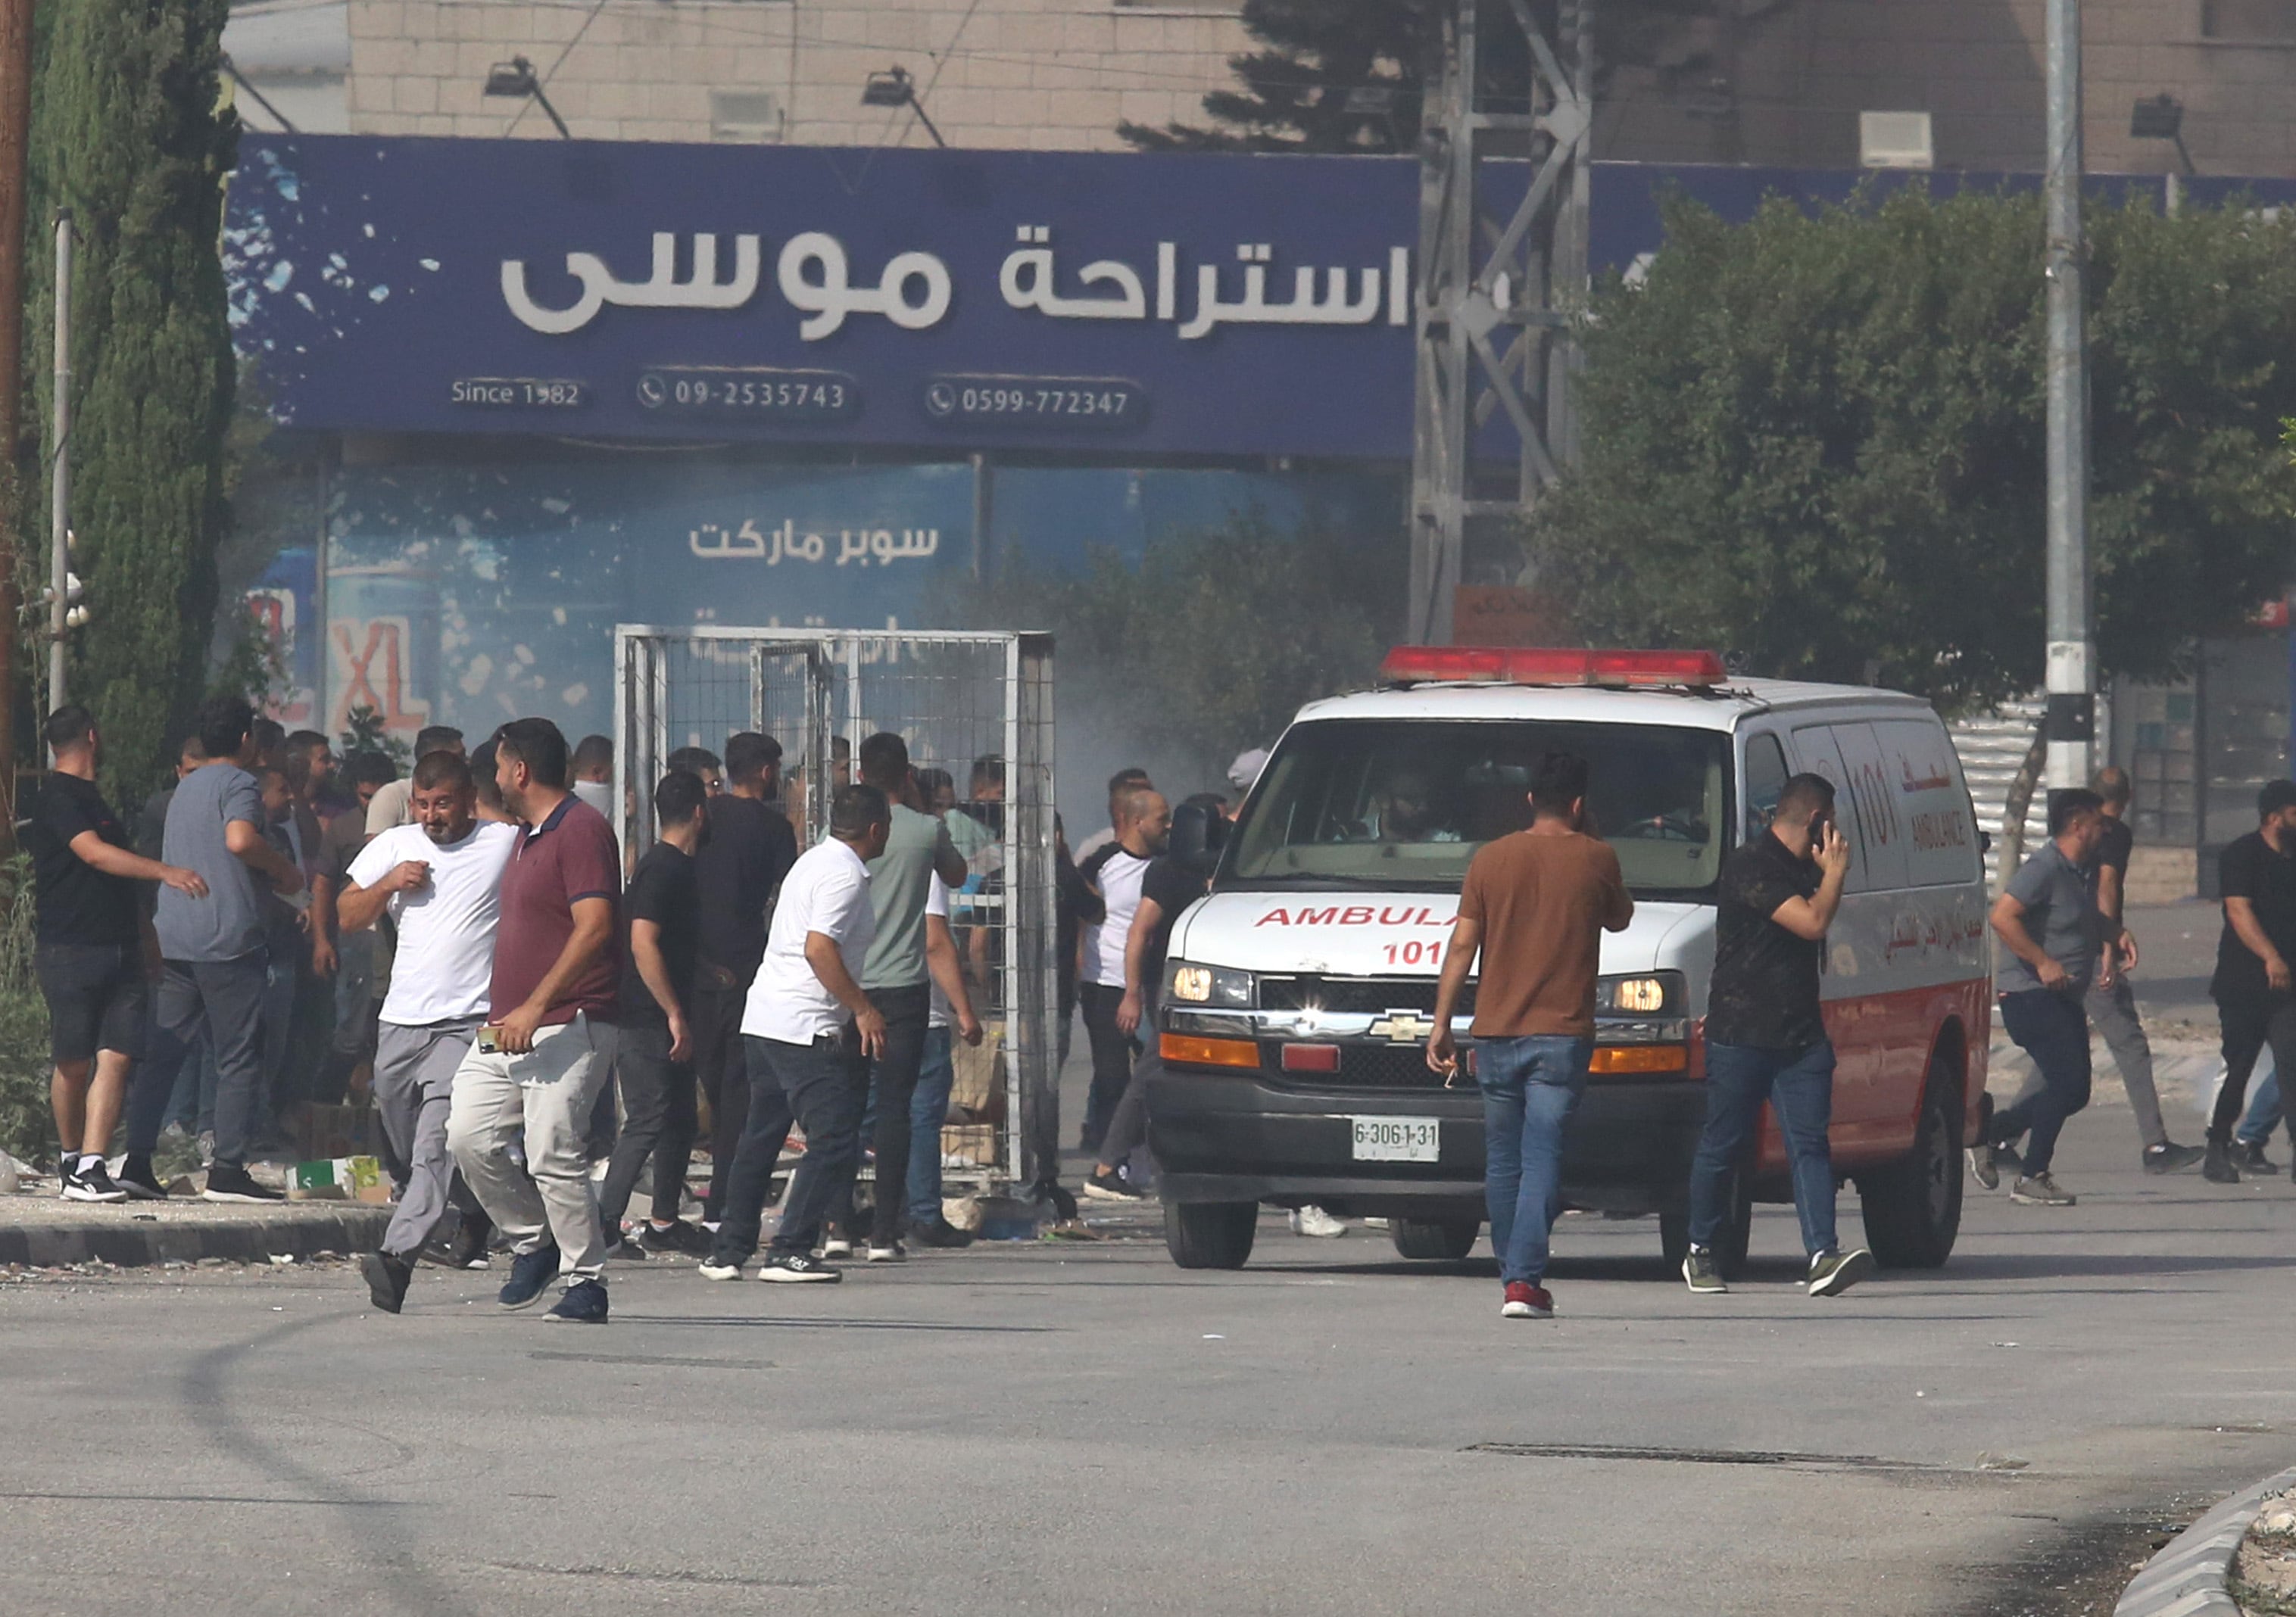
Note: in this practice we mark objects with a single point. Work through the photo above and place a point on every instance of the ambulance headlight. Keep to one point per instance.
(1214, 985)
(1651, 994)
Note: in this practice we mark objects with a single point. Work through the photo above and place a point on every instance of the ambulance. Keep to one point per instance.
(1297, 996)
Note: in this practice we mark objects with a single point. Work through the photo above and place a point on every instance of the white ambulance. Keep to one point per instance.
(1299, 994)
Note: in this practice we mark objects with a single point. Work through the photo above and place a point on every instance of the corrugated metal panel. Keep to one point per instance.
(1992, 747)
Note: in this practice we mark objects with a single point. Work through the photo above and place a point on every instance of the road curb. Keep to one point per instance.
(253, 1241)
(2188, 1577)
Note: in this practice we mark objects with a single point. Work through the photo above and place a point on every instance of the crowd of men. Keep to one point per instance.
(462, 943)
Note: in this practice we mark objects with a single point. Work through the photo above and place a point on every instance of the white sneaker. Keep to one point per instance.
(836, 1246)
(712, 1269)
(1312, 1219)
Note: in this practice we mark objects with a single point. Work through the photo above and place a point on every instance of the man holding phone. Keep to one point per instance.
(2048, 920)
(1765, 1033)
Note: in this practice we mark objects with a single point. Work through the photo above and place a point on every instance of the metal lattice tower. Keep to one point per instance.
(1502, 250)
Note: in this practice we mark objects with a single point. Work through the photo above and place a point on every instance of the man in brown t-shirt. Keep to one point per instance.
(548, 1045)
(1536, 904)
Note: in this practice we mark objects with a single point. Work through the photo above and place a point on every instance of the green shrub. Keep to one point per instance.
(27, 1132)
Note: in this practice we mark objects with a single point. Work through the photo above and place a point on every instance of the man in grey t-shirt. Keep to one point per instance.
(917, 847)
(213, 949)
(2048, 920)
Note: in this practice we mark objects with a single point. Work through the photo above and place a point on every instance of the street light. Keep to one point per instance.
(2161, 118)
(894, 87)
(515, 80)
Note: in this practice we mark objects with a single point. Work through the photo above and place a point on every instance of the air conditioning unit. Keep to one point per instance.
(1895, 140)
(747, 116)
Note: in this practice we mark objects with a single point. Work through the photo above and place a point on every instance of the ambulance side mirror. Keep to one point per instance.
(1199, 833)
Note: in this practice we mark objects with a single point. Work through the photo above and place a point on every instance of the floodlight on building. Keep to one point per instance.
(2161, 118)
(516, 80)
(894, 87)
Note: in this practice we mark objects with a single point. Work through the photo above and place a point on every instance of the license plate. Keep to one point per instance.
(1397, 1140)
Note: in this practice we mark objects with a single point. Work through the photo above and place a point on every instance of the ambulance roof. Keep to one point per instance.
(1720, 708)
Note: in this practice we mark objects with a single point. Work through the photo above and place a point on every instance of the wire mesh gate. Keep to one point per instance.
(976, 705)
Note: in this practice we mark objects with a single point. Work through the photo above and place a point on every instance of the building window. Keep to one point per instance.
(2271, 20)
(746, 117)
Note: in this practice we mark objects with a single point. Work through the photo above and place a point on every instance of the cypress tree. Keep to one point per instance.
(131, 134)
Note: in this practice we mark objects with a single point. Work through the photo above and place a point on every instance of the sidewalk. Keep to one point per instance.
(40, 1229)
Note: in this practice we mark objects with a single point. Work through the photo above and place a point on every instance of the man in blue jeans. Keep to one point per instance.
(2048, 921)
(1535, 903)
(1766, 1036)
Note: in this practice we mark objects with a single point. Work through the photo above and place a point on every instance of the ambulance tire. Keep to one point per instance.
(1441, 1240)
(1913, 1206)
(1730, 1245)
(1210, 1235)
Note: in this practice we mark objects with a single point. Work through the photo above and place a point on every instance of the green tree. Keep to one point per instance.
(1350, 76)
(131, 134)
(1818, 439)
(1213, 642)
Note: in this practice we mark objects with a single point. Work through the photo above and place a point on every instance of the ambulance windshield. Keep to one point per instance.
(1405, 803)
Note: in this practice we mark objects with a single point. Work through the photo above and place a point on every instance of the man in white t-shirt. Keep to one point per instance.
(1144, 823)
(439, 878)
(950, 1017)
(807, 1034)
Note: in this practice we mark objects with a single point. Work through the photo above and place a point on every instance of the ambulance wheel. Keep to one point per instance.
(1210, 1235)
(1913, 1206)
(1444, 1241)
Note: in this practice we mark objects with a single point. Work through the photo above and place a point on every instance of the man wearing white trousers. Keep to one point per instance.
(440, 879)
(548, 1047)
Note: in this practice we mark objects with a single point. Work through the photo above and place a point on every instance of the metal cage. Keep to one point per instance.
(957, 699)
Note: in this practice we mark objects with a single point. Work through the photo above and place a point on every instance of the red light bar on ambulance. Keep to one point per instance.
(1547, 665)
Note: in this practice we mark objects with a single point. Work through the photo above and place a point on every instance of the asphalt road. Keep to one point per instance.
(1070, 1428)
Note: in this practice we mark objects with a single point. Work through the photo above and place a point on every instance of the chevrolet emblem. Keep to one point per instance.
(1402, 1027)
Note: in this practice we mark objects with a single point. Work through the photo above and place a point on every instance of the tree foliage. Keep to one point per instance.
(1350, 76)
(1211, 644)
(1818, 438)
(130, 135)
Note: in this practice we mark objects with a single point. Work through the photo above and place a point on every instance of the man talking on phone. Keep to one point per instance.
(1765, 1036)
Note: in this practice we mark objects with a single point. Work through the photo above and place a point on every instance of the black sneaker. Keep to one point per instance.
(2253, 1159)
(2171, 1158)
(1701, 1272)
(2040, 1190)
(91, 1181)
(940, 1232)
(2219, 1169)
(1831, 1273)
(584, 1304)
(1112, 1188)
(796, 1266)
(471, 1243)
(136, 1177)
(678, 1236)
(387, 1279)
(531, 1274)
(228, 1183)
(1983, 1165)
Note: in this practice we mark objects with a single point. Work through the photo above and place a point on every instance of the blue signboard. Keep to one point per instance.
(1115, 303)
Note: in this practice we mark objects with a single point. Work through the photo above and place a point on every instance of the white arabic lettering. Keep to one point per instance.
(714, 542)
(661, 289)
(827, 301)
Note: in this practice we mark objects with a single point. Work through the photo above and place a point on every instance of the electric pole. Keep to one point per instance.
(15, 175)
(60, 469)
(2070, 726)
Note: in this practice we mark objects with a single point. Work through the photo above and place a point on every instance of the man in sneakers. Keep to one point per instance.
(2048, 921)
(2111, 1002)
(654, 1062)
(1766, 1035)
(2254, 992)
(952, 1019)
(1115, 870)
(811, 1033)
(215, 965)
(440, 879)
(87, 953)
(536, 1070)
(1536, 904)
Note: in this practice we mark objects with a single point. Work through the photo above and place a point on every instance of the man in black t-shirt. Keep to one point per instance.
(1765, 1031)
(89, 955)
(653, 1059)
(2110, 1003)
(738, 868)
(2254, 991)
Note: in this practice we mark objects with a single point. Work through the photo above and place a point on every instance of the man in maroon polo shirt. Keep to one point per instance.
(548, 1046)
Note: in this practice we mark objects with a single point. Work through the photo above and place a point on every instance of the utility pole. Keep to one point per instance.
(59, 472)
(15, 174)
(1500, 265)
(2069, 724)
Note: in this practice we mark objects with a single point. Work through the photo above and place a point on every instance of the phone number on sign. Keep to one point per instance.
(799, 395)
(1052, 401)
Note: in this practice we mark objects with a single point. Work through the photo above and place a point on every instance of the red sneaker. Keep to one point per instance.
(1525, 1301)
